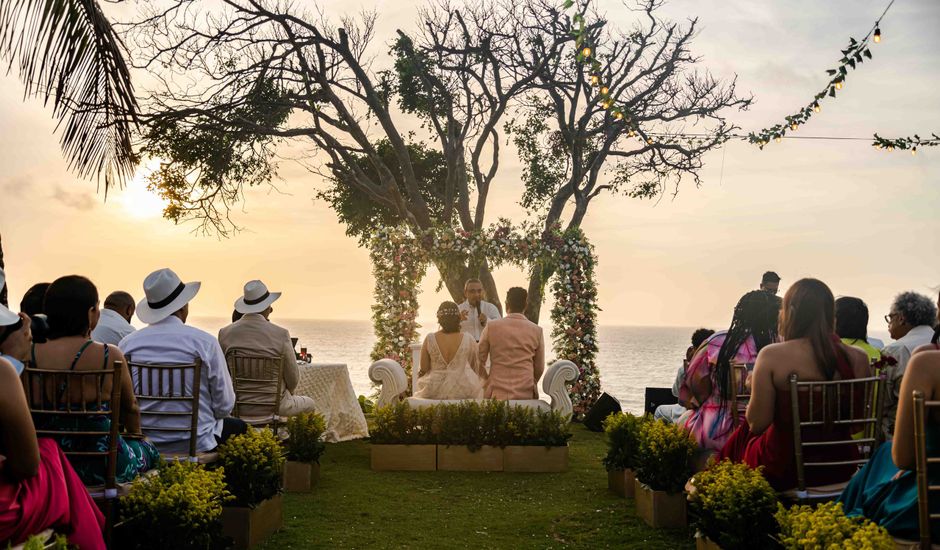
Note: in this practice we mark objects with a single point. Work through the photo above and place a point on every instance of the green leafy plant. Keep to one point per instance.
(734, 506)
(367, 405)
(664, 457)
(827, 526)
(399, 424)
(252, 462)
(622, 431)
(306, 431)
(180, 507)
(36, 542)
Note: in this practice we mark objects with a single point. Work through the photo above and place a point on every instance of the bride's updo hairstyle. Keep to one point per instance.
(448, 316)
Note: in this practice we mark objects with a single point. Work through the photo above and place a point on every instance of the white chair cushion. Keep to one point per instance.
(418, 402)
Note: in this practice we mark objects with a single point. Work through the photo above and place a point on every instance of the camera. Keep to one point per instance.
(39, 326)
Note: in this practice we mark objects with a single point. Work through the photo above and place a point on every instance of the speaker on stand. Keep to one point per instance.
(605, 406)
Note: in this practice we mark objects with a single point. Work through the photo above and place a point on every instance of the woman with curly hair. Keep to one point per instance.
(707, 387)
(450, 363)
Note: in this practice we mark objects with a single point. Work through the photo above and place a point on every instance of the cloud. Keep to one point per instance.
(17, 187)
(78, 201)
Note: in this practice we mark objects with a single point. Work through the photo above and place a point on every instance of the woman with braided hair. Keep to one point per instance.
(707, 385)
(450, 362)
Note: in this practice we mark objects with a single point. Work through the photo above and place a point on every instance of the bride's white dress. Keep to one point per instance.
(456, 379)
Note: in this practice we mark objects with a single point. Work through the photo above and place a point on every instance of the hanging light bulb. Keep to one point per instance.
(586, 52)
(607, 103)
(618, 115)
(891, 148)
(631, 134)
(595, 80)
(839, 85)
(649, 141)
(877, 37)
(778, 139)
(914, 151)
(816, 107)
(794, 126)
(604, 90)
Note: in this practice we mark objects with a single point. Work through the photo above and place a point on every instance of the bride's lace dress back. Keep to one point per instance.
(454, 379)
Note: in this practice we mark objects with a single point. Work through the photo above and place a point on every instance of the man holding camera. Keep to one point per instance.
(474, 312)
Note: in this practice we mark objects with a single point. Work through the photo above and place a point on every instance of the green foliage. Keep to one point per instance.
(734, 506)
(665, 455)
(367, 405)
(253, 462)
(827, 526)
(181, 507)
(413, 80)
(35, 542)
(469, 423)
(546, 158)
(305, 431)
(622, 433)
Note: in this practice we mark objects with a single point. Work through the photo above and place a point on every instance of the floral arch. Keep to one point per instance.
(400, 257)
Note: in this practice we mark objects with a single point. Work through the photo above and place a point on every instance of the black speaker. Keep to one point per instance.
(605, 406)
(659, 396)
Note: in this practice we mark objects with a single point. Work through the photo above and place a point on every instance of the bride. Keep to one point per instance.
(450, 362)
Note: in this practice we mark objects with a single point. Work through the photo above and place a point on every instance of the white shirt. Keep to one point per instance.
(111, 328)
(901, 350)
(471, 325)
(170, 341)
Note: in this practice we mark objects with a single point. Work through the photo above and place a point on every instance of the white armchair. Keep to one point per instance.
(391, 376)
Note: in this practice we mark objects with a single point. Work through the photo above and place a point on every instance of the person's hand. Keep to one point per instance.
(483, 320)
(18, 343)
(464, 314)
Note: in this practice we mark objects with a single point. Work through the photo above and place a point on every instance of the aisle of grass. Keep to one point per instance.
(354, 507)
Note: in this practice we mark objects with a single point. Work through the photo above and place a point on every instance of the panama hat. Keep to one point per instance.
(7, 317)
(256, 298)
(165, 294)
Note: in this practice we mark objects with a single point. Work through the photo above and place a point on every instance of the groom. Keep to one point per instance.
(516, 348)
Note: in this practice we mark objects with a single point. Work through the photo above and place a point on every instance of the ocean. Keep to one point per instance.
(630, 359)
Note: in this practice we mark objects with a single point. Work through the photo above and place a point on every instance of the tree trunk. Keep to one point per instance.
(455, 276)
(534, 308)
(3, 289)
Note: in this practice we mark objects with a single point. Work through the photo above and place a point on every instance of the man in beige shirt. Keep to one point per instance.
(516, 349)
(256, 335)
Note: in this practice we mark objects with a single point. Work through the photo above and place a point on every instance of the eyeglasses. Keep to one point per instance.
(889, 317)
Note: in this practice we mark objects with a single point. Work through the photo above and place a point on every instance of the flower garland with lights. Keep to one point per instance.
(400, 257)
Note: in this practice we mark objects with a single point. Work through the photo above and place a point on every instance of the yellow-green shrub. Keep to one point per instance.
(305, 431)
(253, 462)
(664, 456)
(828, 528)
(180, 507)
(734, 506)
(622, 431)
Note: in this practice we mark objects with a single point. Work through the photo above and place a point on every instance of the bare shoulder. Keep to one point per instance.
(774, 351)
(115, 352)
(925, 363)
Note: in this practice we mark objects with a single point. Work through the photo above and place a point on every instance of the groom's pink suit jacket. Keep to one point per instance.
(516, 349)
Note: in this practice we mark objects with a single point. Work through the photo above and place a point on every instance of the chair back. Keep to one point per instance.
(846, 403)
(258, 387)
(59, 394)
(740, 395)
(168, 395)
(924, 462)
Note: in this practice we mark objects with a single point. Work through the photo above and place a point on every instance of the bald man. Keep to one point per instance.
(116, 315)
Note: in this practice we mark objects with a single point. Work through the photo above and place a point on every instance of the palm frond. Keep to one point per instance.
(67, 51)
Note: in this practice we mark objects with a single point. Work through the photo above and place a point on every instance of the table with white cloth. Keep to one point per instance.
(333, 397)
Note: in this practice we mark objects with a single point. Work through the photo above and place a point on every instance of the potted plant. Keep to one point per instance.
(538, 440)
(733, 507)
(304, 448)
(827, 526)
(252, 462)
(465, 438)
(622, 431)
(664, 464)
(180, 507)
(402, 439)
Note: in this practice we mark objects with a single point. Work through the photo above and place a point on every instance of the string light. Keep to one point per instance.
(618, 115)
(595, 80)
(890, 148)
(816, 107)
(778, 139)
(607, 103)
(604, 90)
(914, 152)
(586, 52)
(839, 85)
(877, 38)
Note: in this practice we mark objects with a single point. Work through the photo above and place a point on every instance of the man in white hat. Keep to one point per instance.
(168, 340)
(14, 334)
(256, 335)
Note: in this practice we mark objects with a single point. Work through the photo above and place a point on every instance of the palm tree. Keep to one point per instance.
(66, 50)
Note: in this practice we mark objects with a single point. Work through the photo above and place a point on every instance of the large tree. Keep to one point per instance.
(418, 136)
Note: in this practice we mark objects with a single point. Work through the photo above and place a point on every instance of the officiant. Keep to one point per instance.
(474, 311)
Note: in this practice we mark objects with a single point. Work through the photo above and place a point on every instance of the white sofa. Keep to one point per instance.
(391, 376)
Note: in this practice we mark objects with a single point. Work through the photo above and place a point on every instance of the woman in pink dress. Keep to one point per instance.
(706, 387)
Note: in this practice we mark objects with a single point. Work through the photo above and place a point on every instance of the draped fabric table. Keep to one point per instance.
(334, 397)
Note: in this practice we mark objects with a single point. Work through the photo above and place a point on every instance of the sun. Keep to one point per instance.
(136, 200)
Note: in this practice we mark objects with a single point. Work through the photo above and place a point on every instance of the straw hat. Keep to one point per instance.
(165, 294)
(256, 298)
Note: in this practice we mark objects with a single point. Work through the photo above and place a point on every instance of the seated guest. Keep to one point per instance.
(475, 312)
(15, 337)
(71, 306)
(885, 489)
(707, 390)
(770, 282)
(910, 323)
(935, 339)
(254, 334)
(39, 490)
(115, 322)
(671, 413)
(450, 361)
(515, 348)
(236, 315)
(852, 325)
(813, 352)
(31, 304)
(168, 340)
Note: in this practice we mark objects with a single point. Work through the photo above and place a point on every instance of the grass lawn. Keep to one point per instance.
(354, 507)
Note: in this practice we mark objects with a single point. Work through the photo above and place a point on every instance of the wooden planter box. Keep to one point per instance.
(704, 543)
(621, 482)
(517, 458)
(659, 508)
(413, 458)
(300, 477)
(250, 526)
(456, 458)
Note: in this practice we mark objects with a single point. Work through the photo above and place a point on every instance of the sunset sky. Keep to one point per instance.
(862, 220)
